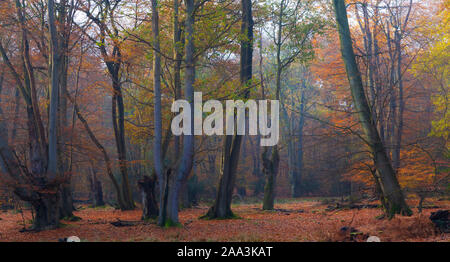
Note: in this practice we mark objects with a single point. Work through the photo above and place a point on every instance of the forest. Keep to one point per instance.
(100, 136)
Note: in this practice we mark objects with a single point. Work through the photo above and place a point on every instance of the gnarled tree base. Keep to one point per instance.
(149, 206)
(46, 210)
(219, 213)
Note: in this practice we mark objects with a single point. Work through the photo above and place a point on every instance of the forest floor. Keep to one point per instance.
(293, 220)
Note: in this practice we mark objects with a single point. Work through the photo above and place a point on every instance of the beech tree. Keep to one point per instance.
(86, 89)
(294, 25)
(393, 198)
(232, 144)
(41, 183)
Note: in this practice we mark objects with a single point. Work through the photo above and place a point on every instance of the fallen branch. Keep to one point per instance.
(122, 223)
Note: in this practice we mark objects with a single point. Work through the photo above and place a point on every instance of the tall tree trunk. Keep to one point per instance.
(157, 144)
(401, 105)
(54, 68)
(271, 160)
(291, 149)
(2, 74)
(59, 68)
(186, 161)
(379, 98)
(259, 186)
(178, 56)
(296, 180)
(232, 144)
(58, 77)
(392, 114)
(66, 197)
(3, 130)
(178, 43)
(395, 201)
(118, 116)
(16, 115)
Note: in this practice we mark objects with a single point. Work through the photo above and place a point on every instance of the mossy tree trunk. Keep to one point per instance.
(394, 199)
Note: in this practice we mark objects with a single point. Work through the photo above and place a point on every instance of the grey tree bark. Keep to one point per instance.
(54, 67)
(178, 56)
(186, 161)
(64, 22)
(157, 143)
(57, 166)
(270, 157)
